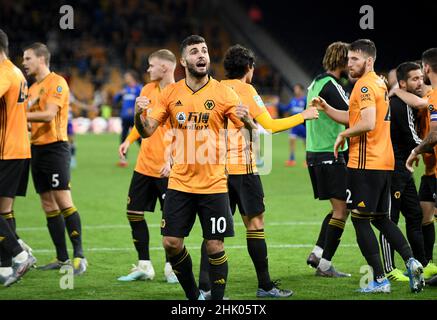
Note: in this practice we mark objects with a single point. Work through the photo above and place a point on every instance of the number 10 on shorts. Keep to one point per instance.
(218, 224)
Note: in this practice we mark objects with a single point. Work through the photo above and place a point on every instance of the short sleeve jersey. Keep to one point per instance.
(53, 89)
(14, 140)
(241, 159)
(372, 150)
(152, 156)
(200, 119)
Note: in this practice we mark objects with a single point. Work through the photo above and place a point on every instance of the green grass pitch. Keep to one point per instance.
(100, 188)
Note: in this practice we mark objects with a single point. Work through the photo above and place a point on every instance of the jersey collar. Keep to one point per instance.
(204, 86)
(46, 77)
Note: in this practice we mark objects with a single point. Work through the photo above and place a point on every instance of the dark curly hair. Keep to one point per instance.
(335, 56)
(237, 60)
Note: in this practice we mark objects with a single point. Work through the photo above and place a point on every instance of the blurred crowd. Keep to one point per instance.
(110, 37)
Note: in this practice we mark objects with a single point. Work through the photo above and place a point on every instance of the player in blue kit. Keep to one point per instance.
(297, 105)
(130, 92)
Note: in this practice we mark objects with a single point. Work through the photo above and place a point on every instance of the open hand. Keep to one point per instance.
(122, 149)
(319, 103)
(413, 159)
(165, 170)
(339, 143)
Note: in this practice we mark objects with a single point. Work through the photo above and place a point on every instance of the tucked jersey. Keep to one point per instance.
(155, 149)
(14, 140)
(53, 89)
(372, 150)
(199, 119)
(241, 159)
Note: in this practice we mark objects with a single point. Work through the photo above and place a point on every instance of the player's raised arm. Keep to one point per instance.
(146, 126)
(277, 125)
(410, 99)
(340, 116)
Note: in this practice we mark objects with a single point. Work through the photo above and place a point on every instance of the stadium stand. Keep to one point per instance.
(120, 36)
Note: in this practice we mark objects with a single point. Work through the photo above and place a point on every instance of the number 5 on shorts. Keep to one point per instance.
(55, 180)
(219, 225)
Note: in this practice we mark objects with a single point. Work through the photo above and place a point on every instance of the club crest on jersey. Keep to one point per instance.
(431, 107)
(58, 89)
(209, 104)
(364, 90)
(181, 117)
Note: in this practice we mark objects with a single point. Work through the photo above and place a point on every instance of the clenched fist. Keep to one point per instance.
(141, 104)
